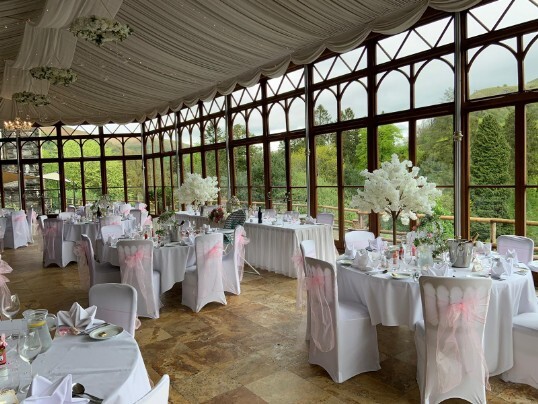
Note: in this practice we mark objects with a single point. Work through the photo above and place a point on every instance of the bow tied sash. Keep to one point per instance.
(135, 274)
(241, 241)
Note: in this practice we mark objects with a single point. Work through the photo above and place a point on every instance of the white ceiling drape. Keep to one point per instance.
(186, 50)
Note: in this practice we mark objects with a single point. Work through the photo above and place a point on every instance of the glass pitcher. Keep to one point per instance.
(44, 323)
(425, 257)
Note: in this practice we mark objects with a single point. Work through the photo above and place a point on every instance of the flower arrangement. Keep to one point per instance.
(3, 346)
(27, 97)
(105, 202)
(431, 232)
(54, 74)
(99, 29)
(167, 217)
(217, 215)
(196, 190)
(396, 192)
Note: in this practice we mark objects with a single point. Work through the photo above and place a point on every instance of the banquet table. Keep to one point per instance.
(112, 369)
(396, 302)
(72, 231)
(197, 221)
(272, 247)
(170, 261)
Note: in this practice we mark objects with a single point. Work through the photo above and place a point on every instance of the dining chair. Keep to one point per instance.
(55, 249)
(232, 263)
(343, 340)
(202, 283)
(116, 304)
(109, 220)
(16, 230)
(158, 394)
(523, 246)
(449, 342)
(30, 219)
(98, 272)
(325, 218)
(112, 230)
(71, 208)
(524, 340)
(358, 239)
(308, 249)
(66, 215)
(137, 214)
(136, 267)
(236, 218)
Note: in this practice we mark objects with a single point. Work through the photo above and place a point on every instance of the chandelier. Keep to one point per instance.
(17, 124)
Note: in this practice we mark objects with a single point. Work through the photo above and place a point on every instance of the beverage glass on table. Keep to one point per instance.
(10, 307)
(28, 348)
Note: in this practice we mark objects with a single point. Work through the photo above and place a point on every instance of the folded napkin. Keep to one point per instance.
(362, 260)
(350, 252)
(512, 254)
(479, 247)
(43, 391)
(438, 269)
(381, 244)
(500, 267)
(77, 317)
(310, 220)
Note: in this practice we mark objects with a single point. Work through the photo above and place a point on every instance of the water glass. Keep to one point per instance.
(28, 348)
(11, 306)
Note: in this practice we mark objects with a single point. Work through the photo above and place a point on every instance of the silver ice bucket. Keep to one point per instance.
(174, 233)
(461, 252)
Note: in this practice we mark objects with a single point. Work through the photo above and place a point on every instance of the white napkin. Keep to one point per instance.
(310, 220)
(350, 252)
(43, 391)
(77, 317)
(438, 269)
(479, 247)
(380, 244)
(513, 255)
(362, 260)
(501, 267)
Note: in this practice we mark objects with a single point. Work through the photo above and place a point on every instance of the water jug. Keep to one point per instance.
(44, 323)
(425, 257)
(461, 252)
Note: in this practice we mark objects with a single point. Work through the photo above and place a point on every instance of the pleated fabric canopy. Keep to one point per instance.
(180, 51)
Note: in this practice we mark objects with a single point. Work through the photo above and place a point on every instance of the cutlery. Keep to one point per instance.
(79, 390)
(88, 331)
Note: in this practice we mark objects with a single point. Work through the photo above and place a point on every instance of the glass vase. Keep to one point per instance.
(425, 257)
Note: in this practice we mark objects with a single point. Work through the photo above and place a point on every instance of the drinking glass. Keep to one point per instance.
(29, 347)
(10, 307)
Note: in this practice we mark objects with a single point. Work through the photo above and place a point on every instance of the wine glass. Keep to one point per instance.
(10, 307)
(28, 348)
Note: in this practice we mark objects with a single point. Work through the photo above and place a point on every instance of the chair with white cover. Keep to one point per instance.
(203, 282)
(109, 220)
(308, 249)
(233, 261)
(41, 221)
(136, 266)
(523, 246)
(18, 236)
(114, 230)
(525, 340)
(358, 239)
(158, 394)
(236, 218)
(137, 214)
(269, 213)
(325, 218)
(140, 205)
(98, 272)
(116, 304)
(66, 215)
(343, 340)
(124, 209)
(55, 249)
(71, 208)
(3, 224)
(30, 218)
(449, 342)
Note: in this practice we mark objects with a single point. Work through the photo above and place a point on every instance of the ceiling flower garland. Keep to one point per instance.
(55, 75)
(26, 97)
(99, 29)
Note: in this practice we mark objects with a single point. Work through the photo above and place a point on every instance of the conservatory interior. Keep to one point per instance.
(283, 110)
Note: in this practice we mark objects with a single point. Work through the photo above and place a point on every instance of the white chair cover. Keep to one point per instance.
(358, 239)
(5, 294)
(525, 340)
(325, 218)
(113, 230)
(159, 393)
(3, 225)
(523, 246)
(116, 304)
(449, 343)
(137, 214)
(308, 249)
(99, 272)
(343, 340)
(66, 215)
(31, 219)
(71, 208)
(18, 237)
(56, 250)
(40, 228)
(203, 284)
(124, 209)
(233, 262)
(109, 220)
(136, 266)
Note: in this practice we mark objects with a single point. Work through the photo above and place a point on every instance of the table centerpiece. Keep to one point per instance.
(197, 190)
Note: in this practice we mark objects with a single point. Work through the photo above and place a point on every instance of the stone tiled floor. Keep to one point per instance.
(250, 351)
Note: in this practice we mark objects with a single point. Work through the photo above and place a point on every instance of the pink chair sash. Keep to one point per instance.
(298, 261)
(455, 359)
(319, 286)
(5, 293)
(241, 241)
(83, 268)
(19, 224)
(214, 252)
(134, 275)
(148, 221)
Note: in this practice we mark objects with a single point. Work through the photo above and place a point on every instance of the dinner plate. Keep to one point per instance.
(106, 332)
(401, 275)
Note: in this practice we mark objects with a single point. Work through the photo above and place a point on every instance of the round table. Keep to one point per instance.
(394, 302)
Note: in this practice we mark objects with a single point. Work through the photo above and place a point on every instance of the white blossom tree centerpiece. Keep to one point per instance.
(196, 190)
(396, 191)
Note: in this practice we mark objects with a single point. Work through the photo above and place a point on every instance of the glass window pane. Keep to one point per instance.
(296, 114)
(223, 174)
(278, 164)
(114, 177)
(328, 202)
(92, 180)
(71, 148)
(434, 83)
(325, 106)
(197, 162)
(256, 165)
(239, 130)
(354, 150)
(532, 143)
(326, 162)
(353, 218)
(255, 124)
(532, 214)
(240, 159)
(132, 147)
(73, 182)
(298, 162)
(354, 102)
(435, 149)
(491, 203)
(113, 147)
(277, 119)
(393, 92)
(393, 138)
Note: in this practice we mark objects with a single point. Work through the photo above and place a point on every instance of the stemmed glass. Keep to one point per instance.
(10, 307)
(29, 347)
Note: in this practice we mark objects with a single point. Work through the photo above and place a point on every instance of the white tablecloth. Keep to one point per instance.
(72, 231)
(197, 221)
(272, 247)
(112, 369)
(171, 262)
(397, 302)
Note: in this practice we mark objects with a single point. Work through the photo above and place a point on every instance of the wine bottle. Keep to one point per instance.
(260, 215)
